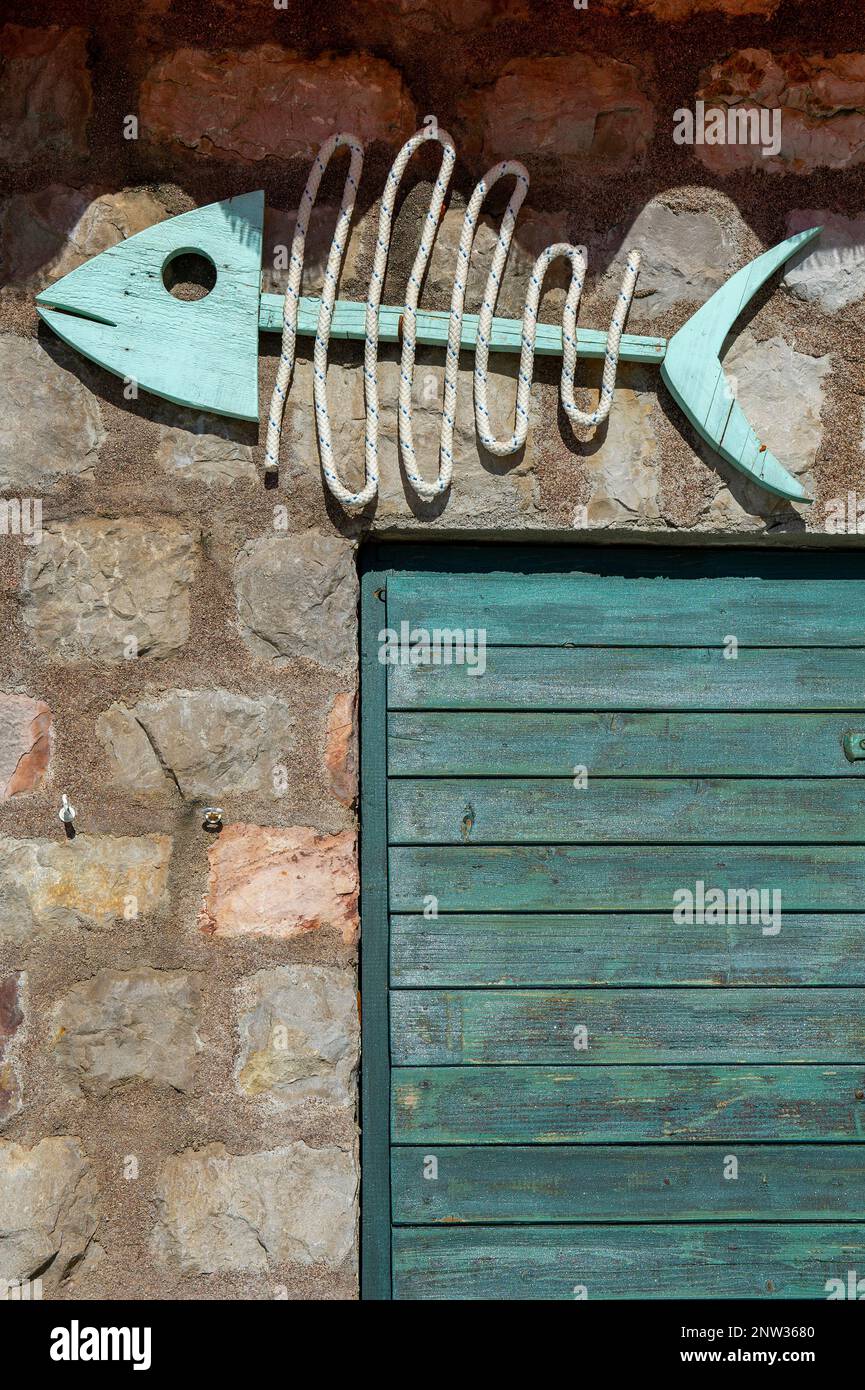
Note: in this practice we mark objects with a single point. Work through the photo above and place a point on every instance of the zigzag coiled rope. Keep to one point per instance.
(425, 489)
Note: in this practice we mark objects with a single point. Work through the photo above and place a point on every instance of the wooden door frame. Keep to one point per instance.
(375, 1259)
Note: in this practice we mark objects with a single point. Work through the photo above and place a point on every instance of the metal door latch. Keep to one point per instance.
(854, 746)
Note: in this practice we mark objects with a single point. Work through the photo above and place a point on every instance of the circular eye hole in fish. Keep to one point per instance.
(189, 275)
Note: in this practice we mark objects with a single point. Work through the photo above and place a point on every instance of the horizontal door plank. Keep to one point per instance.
(507, 878)
(432, 1027)
(622, 949)
(542, 743)
(637, 678)
(624, 1104)
(543, 810)
(578, 609)
(678, 562)
(623, 1262)
(626, 1183)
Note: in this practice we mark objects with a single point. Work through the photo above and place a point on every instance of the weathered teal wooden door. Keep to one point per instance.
(613, 923)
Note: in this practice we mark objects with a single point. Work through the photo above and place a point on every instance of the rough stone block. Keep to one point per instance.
(266, 102)
(198, 448)
(683, 9)
(686, 257)
(126, 1026)
(221, 1212)
(50, 425)
(202, 743)
(821, 100)
(268, 881)
(624, 472)
(45, 94)
(91, 880)
(104, 590)
(589, 111)
(279, 229)
(340, 754)
(299, 1032)
(831, 272)
(49, 1210)
(11, 1021)
(412, 25)
(25, 743)
(297, 596)
(45, 234)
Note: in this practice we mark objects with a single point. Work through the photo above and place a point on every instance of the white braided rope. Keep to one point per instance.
(576, 256)
(292, 294)
(409, 323)
(428, 490)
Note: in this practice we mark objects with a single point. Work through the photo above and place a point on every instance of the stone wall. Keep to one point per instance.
(178, 1012)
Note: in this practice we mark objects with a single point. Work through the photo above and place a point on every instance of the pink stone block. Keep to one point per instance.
(266, 102)
(819, 101)
(25, 744)
(281, 882)
(340, 754)
(588, 112)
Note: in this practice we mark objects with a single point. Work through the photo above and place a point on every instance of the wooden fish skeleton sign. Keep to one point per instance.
(116, 310)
